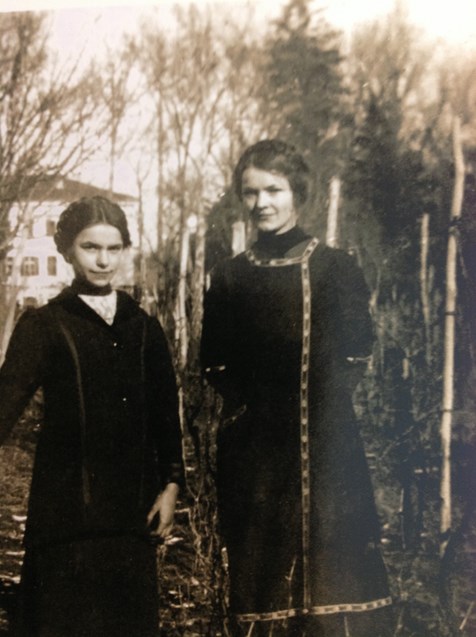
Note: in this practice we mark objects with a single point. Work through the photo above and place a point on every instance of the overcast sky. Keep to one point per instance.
(451, 20)
(87, 24)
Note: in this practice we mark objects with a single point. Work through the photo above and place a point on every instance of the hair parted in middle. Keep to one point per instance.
(277, 156)
(85, 212)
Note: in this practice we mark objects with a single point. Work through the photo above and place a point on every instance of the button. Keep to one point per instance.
(124, 399)
(115, 344)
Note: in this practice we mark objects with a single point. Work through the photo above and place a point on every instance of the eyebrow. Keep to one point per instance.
(98, 245)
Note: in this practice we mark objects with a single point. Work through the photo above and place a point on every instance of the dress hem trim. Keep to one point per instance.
(315, 610)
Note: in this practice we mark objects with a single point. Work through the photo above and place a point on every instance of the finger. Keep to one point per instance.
(151, 516)
(153, 512)
(165, 529)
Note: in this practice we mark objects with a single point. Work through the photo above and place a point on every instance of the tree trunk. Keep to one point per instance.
(160, 176)
(332, 216)
(424, 290)
(198, 284)
(238, 238)
(181, 332)
(14, 287)
(449, 343)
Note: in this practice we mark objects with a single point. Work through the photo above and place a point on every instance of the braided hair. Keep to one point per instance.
(85, 212)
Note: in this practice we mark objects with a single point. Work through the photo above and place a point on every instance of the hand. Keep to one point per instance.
(164, 509)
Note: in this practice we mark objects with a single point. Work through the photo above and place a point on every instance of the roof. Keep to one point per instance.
(63, 189)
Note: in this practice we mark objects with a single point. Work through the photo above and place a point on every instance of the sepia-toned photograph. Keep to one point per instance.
(237, 318)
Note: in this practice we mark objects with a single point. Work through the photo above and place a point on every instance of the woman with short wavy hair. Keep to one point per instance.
(286, 324)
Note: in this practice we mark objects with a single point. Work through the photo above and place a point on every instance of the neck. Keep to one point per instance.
(276, 245)
(81, 286)
(273, 236)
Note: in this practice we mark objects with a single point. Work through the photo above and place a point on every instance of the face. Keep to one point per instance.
(96, 254)
(269, 200)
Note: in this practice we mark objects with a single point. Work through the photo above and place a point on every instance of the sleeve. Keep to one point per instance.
(20, 375)
(219, 340)
(356, 324)
(163, 406)
(354, 296)
(214, 328)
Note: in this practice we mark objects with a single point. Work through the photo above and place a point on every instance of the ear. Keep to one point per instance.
(66, 256)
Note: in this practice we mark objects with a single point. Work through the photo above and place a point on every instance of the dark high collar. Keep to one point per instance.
(275, 246)
(81, 286)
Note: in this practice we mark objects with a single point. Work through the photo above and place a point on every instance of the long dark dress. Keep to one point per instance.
(110, 440)
(282, 324)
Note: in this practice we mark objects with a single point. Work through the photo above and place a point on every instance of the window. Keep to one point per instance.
(50, 227)
(30, 266)
(51, 265)
(9, 266)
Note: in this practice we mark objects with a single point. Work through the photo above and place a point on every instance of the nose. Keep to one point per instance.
(102, 258)
(262, 199)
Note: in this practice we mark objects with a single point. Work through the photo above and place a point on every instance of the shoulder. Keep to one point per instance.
(30, 317)
(335, 258)
(131, 308)
(29, 331)
(127, 301)
(128, 309)
(337, 255)
(230, 268)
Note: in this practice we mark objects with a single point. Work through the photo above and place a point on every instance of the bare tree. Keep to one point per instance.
(49, 116)
(50, 121)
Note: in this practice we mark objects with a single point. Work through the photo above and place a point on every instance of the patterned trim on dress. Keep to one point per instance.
(280, 262)
(304, 416)
(315, 610)
(303, 261)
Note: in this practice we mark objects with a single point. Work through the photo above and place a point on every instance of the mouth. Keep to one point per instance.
(262, 216)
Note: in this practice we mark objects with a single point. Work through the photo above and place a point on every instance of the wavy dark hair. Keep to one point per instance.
(86, 212)
(277, 156)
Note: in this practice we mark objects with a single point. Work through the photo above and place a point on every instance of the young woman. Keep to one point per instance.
(108, 463)
(284, 328)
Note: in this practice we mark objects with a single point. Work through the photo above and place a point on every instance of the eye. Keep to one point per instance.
(117, 248)
(89, 247)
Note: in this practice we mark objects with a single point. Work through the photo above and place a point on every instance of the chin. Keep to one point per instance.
(99, 283)
(267, 228)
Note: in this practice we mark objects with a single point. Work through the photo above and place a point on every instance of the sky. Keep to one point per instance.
(451, 20)
(87, 25)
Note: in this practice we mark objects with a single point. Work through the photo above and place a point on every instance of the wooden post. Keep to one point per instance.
(181, 332)
(333, 212)
(424, 289)
(449, 342)
(142, 274)
(198, 281)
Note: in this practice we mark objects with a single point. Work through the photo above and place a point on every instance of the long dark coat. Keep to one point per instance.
(110, 440)
(295, 497)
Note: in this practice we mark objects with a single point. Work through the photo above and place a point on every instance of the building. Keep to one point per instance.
(33, 266)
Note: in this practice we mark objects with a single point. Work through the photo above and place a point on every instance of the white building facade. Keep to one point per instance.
(35, 270)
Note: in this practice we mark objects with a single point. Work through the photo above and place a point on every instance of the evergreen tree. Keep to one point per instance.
(303, 88)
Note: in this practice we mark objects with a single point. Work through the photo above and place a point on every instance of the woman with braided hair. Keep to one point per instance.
(108, 462)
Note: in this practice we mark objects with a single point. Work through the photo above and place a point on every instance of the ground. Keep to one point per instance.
(192, 564)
